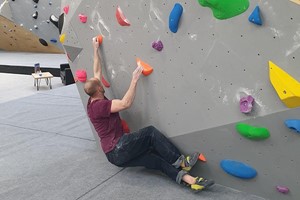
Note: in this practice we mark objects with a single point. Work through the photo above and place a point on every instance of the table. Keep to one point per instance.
(39, 76)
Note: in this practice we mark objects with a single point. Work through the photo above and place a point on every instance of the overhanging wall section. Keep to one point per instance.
(200, 74)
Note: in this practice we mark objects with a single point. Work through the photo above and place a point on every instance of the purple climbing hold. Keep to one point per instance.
(158, 45)
(246, 104)
(282, 189)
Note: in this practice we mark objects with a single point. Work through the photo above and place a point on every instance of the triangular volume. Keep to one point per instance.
(287, 88)
(72, 52)
(255, 17)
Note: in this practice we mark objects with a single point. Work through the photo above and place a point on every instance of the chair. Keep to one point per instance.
(66, 74)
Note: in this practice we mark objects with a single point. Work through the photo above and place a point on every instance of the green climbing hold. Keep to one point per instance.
(252, 132)
(224, 9)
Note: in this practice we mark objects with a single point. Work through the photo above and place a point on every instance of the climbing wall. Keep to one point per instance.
(200, 75)
(34, 19)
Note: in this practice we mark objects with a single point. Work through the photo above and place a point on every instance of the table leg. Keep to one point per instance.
(47, 82)
(50, 83)
(34, 80)
(38, 84)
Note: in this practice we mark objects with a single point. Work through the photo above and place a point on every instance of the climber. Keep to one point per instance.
(146, 147)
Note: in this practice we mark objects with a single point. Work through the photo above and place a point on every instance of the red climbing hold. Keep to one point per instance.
(104, 82)
(99, 39)
(81, 75)
(125, 127)
(82, 18)
(66, 9)
(121, 18)
(202, 157)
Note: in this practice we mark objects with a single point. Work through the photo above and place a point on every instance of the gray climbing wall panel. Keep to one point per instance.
(22, 11)
(193, 94)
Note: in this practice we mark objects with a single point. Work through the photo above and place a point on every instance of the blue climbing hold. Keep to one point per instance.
(174, 17)
(255, 16)
(293, 124)
(53, 40)
(238, 169)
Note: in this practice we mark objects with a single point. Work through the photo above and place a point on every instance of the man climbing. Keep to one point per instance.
(146, 147)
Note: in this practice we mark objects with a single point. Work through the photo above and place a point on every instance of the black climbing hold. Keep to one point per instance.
(35, 1)
(43, 42)
(54, 20)
(35, 15)
(61, 22)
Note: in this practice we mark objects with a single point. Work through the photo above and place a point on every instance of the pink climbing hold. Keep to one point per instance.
(158, 45)
(246, 104)
(282, 189)
(122, 20)
(83, 18)
(66, 9)
(81, 75)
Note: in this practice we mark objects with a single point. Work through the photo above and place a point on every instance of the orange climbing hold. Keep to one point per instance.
(147, 69)
(202, 157)
(99, 39)
(104, 82)
(122, 20)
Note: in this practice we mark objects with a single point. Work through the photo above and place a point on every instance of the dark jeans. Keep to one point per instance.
(149, 148)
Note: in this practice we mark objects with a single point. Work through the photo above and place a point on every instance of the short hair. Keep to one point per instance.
(91, 87)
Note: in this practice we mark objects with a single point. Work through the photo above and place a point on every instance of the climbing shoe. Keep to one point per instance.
(190, 161)
(201, 184)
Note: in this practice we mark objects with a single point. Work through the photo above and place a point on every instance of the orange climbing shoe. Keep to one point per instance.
(201, 184)
(190, 161)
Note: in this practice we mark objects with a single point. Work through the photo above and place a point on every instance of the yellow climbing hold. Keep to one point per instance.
(287, 88)
(62, 38)
(296, 1)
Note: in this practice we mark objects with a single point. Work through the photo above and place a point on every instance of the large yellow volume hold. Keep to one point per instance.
(287, 88)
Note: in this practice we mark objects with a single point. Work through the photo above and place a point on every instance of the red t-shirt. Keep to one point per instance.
(108, 125)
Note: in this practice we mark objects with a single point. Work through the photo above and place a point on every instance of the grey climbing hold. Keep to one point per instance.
(35, 15)
(54, 20)
(73, 52)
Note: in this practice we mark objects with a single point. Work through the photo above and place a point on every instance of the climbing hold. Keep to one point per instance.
(255, 16)
(282, 189)
(50, 3)
(61, 20)
(82, 18)
(125, 126)
(174, 17)
(147, 69)
(252, 132)
(43, 42)
(104, 82)
(80, 75)
(62, 38)
(35, 15)
(287, 88)
(122, 20)
(35, 26)
(53, 40)
(66, 9)
(54, 20)
(48, 21)
(238, 169)
(293, 124)
(35, 1)
(99, 39)
(35, 6)
(246, 104)
(158, 45)
(296, 1)
(202, 157)
(225, 9)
